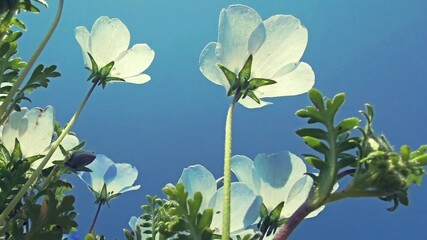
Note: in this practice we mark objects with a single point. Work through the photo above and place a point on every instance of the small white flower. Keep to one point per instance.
(118, 178)
(245, 204)
(109, 41)
(34, 130)
(276, 178)
(276, 45)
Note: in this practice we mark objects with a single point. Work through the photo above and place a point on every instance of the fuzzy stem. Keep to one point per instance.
(355, 193)
(95, 218)
(5, 105)
(292, 223)
(54, 146)
(227, 171)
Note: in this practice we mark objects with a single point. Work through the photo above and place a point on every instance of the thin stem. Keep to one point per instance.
(95, 218)
(227, 172)
(5, 105)
(54, 146)
(355, 193)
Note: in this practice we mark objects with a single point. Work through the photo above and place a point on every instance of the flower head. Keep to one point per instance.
(108, 179)
(245, 204)
(260, 59)
(34, 130)
(277, 178)
(108, 42)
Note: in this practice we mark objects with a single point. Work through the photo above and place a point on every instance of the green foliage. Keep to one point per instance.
(187, 222)
(242, 85)
(269, 222)
(101, 76)
(333, 141)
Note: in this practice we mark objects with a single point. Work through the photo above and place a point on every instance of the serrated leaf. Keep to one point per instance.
(194, 204)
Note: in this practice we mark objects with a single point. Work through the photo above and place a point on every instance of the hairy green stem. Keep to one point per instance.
(54, 146)
(355, 193)
(5, 105)
(227, 171)
(92, 226)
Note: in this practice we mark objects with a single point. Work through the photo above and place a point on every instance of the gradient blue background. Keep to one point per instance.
(374, 51)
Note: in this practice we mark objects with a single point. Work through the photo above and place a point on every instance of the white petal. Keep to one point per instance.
(297, 195)
(82, 37)
(297, 81)
(69, 142)
(245, 208)
(138, 79)
(33, 128)
(133, 61)
(119, 177)
(256, 39)
(250, 103)
(278, 173)
(285, 43)
(245, 172)
(99, 166)
(208, 66)
(236, 24)
(197, 178)
(109, 38)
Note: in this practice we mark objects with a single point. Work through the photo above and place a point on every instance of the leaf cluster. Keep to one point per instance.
(187, 219)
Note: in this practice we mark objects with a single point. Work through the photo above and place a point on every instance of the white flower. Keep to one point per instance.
(34, 130)
(276, 178)
(245, 204)
(276, 45)
(118, 178)
(109, 41)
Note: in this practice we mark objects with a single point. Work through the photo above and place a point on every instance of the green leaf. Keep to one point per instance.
(316, 162)
(345, 162)
(105, 71)
(205, 219)
(275, 213)
(231, 77)
(245, 73)
(194, 204)
(312, 132)
(347, 125)
(405, 152)
(317, 99)
(16, 153)
(336, 103)
(316, 144)
(254, 97)
(256, 83)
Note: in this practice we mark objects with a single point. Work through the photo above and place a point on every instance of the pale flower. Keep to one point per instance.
(34, 130)
(276, 178)
(116, 178)
(109, 41)
(245, 204)
(276, 45)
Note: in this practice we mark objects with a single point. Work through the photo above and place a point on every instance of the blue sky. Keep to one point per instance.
(374, 51)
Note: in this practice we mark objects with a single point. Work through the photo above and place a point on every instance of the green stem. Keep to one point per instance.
(5, 105)
(95, 218)
(355, 193)
(54, 146)
(227, 171)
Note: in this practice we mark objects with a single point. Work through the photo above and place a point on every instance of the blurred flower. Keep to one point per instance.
(276, 178)
(109, 41)
(108, 179)
(245, 204)
(276, 46)
(34, 130)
